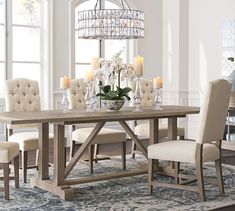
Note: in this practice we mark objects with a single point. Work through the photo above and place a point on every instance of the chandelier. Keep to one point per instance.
(98, 23)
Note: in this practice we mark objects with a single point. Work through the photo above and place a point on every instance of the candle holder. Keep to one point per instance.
(88, 96)
(65, 101)
(158, 99)
(138, 95)
(93, 98)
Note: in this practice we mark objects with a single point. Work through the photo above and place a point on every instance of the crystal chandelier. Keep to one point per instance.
(124, 23)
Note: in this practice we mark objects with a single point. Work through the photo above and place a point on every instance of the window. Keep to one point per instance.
(87, 49)
(23, 47)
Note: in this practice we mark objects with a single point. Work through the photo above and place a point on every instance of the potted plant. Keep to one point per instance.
(113, 100)
(113, 97)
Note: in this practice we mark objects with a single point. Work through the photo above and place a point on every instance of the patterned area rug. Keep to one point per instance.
(123, 194)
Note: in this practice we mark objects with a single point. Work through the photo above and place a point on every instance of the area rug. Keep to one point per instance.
(125, 194)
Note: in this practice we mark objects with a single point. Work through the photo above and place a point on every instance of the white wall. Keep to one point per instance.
(205, 19)
(151, 46)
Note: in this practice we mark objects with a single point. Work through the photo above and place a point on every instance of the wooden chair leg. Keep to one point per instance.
(72, 149)
(219, 175)
(16, 171)
(97, 149)
(24, 165)
(65, 153)
(177, 168)
(91, 159)
(150, 176)
(123, 155)
(133, 148)
(37, 159)
(200, 180)
(6, 180)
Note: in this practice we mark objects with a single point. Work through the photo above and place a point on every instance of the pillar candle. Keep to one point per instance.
(157, 82)
(89, 76)
(95, 63)
(65, 82)
(139, 66)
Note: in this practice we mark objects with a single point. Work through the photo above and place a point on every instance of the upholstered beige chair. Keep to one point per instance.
(207, 146)
(23, 95)
(142, 129)
(105, 136)
(9, 152)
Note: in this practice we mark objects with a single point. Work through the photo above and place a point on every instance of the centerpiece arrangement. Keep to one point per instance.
(113, 95)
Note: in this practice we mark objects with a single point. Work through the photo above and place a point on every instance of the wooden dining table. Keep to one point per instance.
(59, 183)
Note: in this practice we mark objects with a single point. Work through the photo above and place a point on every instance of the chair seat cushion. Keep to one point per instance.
(142, 130)
(105, 136)
(27, 140)
(8, 151)
(182, 151)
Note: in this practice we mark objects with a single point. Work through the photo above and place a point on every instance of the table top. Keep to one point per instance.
(81, 116)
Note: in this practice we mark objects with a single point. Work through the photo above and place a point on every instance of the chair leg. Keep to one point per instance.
(219, 175)
(65, 153)
(72, 149)
(16, 170)
(97, 149)
(6, 180)
(177, 168)
(91, 159)
(24, 165)
(133, 148)
(37, 159)
(200, 180)
(123, 155)
(150, 176)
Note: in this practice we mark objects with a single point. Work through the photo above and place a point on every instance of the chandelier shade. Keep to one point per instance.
(124, 23)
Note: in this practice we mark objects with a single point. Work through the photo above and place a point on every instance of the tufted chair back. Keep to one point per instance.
(22, 94)
(147, 92)
(77, 93)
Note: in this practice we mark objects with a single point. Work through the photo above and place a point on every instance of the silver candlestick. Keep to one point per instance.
(138, 95)
(158, 99)
(88, 96)
(65, 101)
(93, 98)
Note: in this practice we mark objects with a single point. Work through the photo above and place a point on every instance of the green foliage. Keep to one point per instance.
(231, 59)
(119, 94)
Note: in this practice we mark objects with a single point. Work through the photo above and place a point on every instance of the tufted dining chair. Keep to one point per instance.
(142, 129)
(9, 152)
(207, 146)
(23, 95)
(105, 136)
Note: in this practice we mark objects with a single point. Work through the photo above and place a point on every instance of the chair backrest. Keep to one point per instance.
(214, 111)
(22, 94)
(77, 93)
(147, 92)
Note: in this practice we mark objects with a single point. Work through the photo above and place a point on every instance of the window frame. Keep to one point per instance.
(44, 54)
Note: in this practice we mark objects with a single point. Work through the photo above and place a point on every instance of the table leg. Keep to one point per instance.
(44, 151)
(59, 154)
(172, 128)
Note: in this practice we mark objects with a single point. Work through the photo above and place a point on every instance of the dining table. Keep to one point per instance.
(59, 183)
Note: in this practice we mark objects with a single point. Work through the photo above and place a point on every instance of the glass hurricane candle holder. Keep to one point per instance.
(65, 101)
(158, 99)
(138, 95)
(88, 96)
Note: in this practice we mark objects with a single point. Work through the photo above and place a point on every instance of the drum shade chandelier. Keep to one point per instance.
(124, 23)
